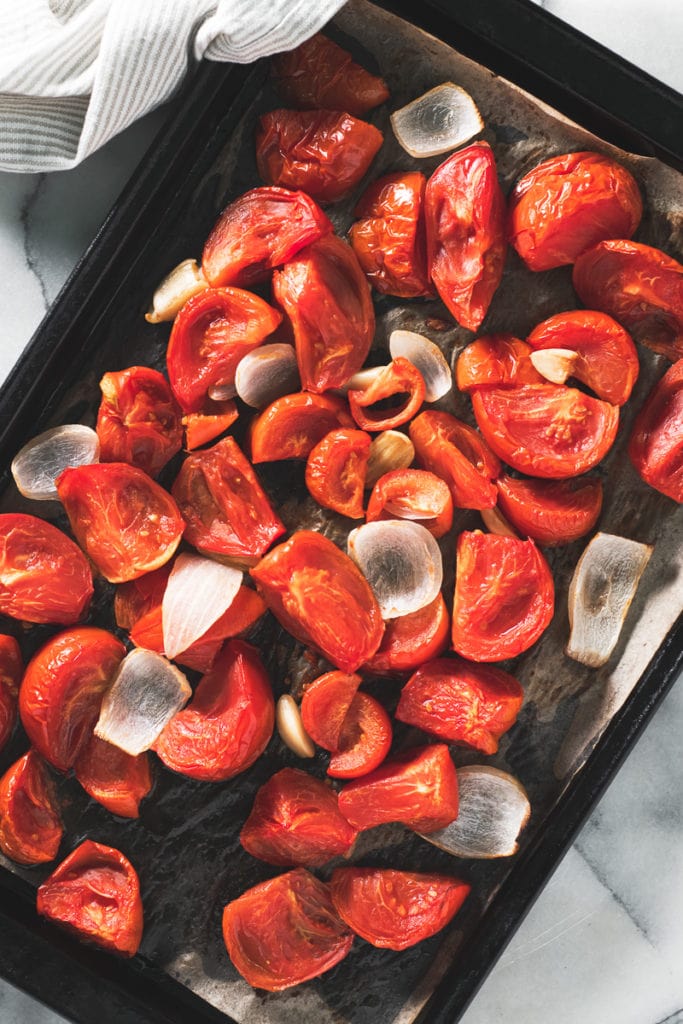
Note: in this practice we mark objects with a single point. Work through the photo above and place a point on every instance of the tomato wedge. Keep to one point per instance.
(11, 671)
(656, 443)
(504, 596)
(365, 739)
(62, 689)
(335, 471)
(291, 427)
(43, 575)
(95, 894)
(389, 238)
(323, 152)
(547, 430)
(395, 909)
(324, 706)
(413, 494)
(115, 779)
(202, 427)
(495, 360)
(139, 420)
(412, 639)
(285, 931)
(296, 822)
(551, 512)
(566, 204)
(259, 231)
(226, 511)
(461, 702)
(30, 824)
(126, 523)
(320, 596)
(227, 724)
(326, 298)
(418, 788)
(457, 454)
(465, 218)
(399, 379)
(319, 73)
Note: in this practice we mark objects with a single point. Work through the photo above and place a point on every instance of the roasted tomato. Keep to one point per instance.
(285, 931)
(412, 639)
(656, 442)
(389, 237)
(335, 471)
(323, 152)
(202, 427)
(324, 706)
(115, 779)
(495, 360)
(400, 379)
(30, 825)
(418, 788)
(319, 73)
(261, 230)
(395, 909)
(458, 455)
(295, 822)
(225, 509)
(210, 335)
(62, 689)
(321, 597)
(639, 286)
(365, 739)
(504, 596)
(134, 599)
(43, 575)
(551, 512)
(125, 522)
(11, 670)
(568, 203)
(606, 358)
(291, 427)
(139, 420)
(228, 722)
(413, 494)
(95, 895)
(461, 702)
(465, 218)
(547, 430)
(327, 300)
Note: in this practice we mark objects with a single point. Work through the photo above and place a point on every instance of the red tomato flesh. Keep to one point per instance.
(551, 512)
(413, 494)
(656, 443)
(139, 420)
(30, 825)
(412, 639)
(291, 427)
(495, 360)
(115, 779)
(202, 427)
(319, 73)
(457, 454)
(365, 739)
(324, 706)
(401, 380)
(11, 671)
(335, 471)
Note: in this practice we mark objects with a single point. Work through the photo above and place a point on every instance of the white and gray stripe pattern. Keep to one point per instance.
(73, 73)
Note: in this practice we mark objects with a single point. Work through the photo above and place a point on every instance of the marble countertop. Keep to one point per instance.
(604, 942)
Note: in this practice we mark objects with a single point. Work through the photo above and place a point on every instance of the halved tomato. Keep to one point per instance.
(335, 471)
(458, 455)
(656, 443)
(115, 779)
(413, 494)
(11, 671)
(291, 427)
(412, 639)
(495, 360)
(324, 706)
(399, 380)
(504, 596)
(30, 824)
(139, 420)
(365, 739)
(319, 73)
(551, 512)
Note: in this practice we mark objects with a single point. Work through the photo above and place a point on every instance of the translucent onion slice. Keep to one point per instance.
(267, 373)
(555, 364)
(179, 285)
(36, 467)
(291, 728)
(427, 358)
(146, 693)
(495, 522)
(402, 563)
(493, 810)
(600, 594)
(198, 592)
(389, 450)
(442, 119)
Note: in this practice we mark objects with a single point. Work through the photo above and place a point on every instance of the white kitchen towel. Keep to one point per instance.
(73, 73)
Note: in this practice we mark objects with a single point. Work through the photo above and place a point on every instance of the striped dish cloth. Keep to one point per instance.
(73, 73)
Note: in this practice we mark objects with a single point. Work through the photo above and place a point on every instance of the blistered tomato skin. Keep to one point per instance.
(457, 454)
(285, 931)
(291, 427)
(320, 596)
(656, 443)
(412, 639)
(504, 596)
(551, 512)
(335, 471)
(323, 152)
(139, 420)
(495, 360)
(95, 894)
(115, 779)
(11, 671)
(400, 378)
(320, 74)
(465, 218)
(639, 286)
(30, 824)
(44, 577)
(568, 203)
(395, 909)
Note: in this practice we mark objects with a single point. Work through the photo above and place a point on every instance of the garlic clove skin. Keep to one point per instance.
(389, 450)
(179, 285)
(440, 120)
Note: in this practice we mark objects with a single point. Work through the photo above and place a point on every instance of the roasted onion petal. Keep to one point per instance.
(440, 120)
(198, 592)
(600, 594)
(291, 728)
(146, 693)
(427, 358)
(179, 285)
(267, 373)
(389, 450)
(36, 467)
(402, 563)
(555, 364)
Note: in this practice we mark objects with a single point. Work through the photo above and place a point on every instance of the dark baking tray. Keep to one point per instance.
(516, 39)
